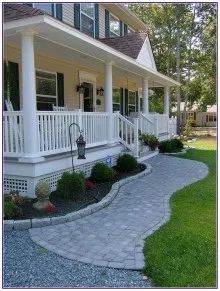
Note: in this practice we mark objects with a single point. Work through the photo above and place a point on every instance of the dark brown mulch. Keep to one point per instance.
(64, 206)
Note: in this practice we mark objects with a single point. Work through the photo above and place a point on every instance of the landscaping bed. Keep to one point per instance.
(93, 192)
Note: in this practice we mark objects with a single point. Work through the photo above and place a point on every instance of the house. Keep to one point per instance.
(94, 65)
(206, 119)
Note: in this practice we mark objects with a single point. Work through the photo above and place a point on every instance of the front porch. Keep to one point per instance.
(66, 59)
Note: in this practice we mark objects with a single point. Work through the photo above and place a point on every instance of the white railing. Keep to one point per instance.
(53, 129)
(146, 125)
(127, 133)
(172, 127)
(13, 133)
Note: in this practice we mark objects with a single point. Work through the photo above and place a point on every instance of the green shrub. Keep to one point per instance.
(149, 139)
(169, 146)
(126, 163)
(71, 186)
(101, 173)
(11, 211)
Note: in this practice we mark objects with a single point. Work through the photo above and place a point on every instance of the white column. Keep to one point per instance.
(108, 99)
(166, 100)
(145, 95)
(29, 97)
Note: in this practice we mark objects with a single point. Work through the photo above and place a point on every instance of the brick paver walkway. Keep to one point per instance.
(113, 236)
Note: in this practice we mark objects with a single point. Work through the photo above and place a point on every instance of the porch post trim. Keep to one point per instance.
(29, 96)
(108, 99)
(145, 95)
(166, 100)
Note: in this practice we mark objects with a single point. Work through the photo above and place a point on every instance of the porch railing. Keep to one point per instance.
(13, 134)
(53, 130)
(146, 125)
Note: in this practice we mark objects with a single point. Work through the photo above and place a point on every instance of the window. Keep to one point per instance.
(49, 8)
(87, 14)
(116, 99)
(210, 118)
(114, 26)
(131, 101)
(46, 90)
(130, 30)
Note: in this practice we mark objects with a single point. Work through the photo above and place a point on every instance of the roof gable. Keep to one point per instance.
(129, 44)
(145, 56)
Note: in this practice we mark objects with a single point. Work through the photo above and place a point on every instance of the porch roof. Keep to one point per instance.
(57, 32)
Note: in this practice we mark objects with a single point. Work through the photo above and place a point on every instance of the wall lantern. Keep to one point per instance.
(100, 91)
(80, 88)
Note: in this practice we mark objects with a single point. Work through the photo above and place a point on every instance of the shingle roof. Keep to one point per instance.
(19, 11)
(129, 44)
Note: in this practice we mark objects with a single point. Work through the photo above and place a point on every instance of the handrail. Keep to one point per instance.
(148, 119)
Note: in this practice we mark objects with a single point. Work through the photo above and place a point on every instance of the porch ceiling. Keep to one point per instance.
(61, 41)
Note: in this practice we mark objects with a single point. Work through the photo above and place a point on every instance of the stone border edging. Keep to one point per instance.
(40, 222)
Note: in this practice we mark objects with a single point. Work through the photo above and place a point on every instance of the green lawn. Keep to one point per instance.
(182, 253)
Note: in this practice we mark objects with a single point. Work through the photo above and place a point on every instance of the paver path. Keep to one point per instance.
(113, 236)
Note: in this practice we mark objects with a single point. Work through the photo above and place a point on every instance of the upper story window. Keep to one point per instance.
(114, 26)
(130, 30)
(87, 16)
(49, 8)
(52, 9)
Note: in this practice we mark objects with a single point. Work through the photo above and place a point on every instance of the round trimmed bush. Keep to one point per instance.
(101, 173)
(176, 143)
(126, 163)
(71, 186)
(169, 146)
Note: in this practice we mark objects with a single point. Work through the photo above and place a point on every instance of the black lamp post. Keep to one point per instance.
(80, 142)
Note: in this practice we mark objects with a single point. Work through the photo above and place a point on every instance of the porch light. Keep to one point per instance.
(80, 143)
(80, 88)
(100, 91)
(81, 146)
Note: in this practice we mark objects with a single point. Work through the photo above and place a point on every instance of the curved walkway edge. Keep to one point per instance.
(40, 222)
(113, 236)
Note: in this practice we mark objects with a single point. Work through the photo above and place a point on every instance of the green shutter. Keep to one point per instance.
(77, 16)
(60, 89)
(96, 20)
(121, 100)
(126, 101)
(121, 28)
(107, 23)
(125, 29)
(13, 83)
(59, 13)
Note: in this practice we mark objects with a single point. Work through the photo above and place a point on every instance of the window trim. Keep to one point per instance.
(131, 29)
(110, 31)
(47, 96)
(82, 12)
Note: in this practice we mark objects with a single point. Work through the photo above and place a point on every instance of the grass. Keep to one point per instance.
(182, 253)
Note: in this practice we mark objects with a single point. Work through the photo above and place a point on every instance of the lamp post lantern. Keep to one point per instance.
(80, 142)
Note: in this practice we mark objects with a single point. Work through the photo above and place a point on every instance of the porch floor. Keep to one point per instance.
(114, 236)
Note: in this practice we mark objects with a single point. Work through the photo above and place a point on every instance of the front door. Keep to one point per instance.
(88, 97)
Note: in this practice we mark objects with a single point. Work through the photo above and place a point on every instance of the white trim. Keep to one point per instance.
(46, 19)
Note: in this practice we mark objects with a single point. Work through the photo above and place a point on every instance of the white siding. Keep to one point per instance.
(145, 56)
(68, 13)
(101, 21)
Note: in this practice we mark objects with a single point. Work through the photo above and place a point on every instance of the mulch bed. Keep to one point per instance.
(65, 206)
